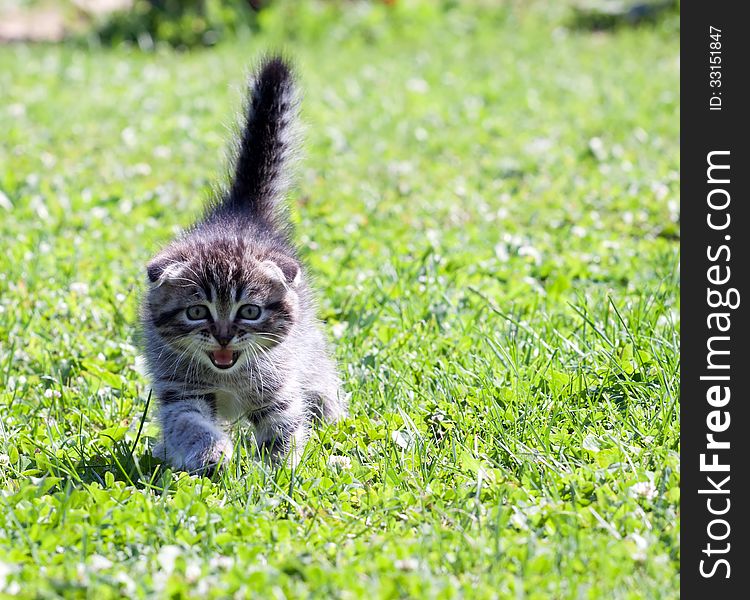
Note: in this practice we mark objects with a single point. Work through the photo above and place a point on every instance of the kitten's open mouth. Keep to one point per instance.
(224, 358)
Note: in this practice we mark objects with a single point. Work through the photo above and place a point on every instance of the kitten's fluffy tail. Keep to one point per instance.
(267, 143)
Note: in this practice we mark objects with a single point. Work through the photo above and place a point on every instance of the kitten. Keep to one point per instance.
(229, 319)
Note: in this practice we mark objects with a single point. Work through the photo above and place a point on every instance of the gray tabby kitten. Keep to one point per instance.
(228, 318)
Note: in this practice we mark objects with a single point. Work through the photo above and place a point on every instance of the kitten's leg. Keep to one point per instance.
(325, 398)
(328, 407)
(191, 438)
(283, 432)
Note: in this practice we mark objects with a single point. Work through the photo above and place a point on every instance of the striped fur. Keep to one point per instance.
(282, 376)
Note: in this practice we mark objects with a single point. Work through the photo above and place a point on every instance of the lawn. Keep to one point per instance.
(489, 203)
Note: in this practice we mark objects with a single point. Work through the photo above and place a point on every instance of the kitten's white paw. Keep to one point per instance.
(207, 457)
(201, 451)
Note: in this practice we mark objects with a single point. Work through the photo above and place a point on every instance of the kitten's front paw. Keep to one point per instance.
(201, 452)
(191, 441)
(276, 447)
(205, 458)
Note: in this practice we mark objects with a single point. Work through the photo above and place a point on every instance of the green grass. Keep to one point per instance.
(489, 205)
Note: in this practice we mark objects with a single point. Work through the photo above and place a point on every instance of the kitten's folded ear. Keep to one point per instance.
(283, 269)
(154, 270)
(161, 269)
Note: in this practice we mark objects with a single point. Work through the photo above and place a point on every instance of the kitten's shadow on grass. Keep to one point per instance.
(141, 470)
(120, 463)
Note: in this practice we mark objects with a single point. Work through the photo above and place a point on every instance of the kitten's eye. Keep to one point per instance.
(197, 312)
(249, 312)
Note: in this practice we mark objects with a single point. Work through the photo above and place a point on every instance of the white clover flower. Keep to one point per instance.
(340, 462)
(641, 545)
(643, 489)
(339, 329)
(79, 287)
(167, 556)
(221, 562)
(126, 581)
(519, 521)
(417, 85)
(578, 231)
(97, 562)
(530, 251)
(5, 570)
(192, 571)
(407, 564)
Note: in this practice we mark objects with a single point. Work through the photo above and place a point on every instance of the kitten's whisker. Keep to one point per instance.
(259, 370)
(270, 334)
